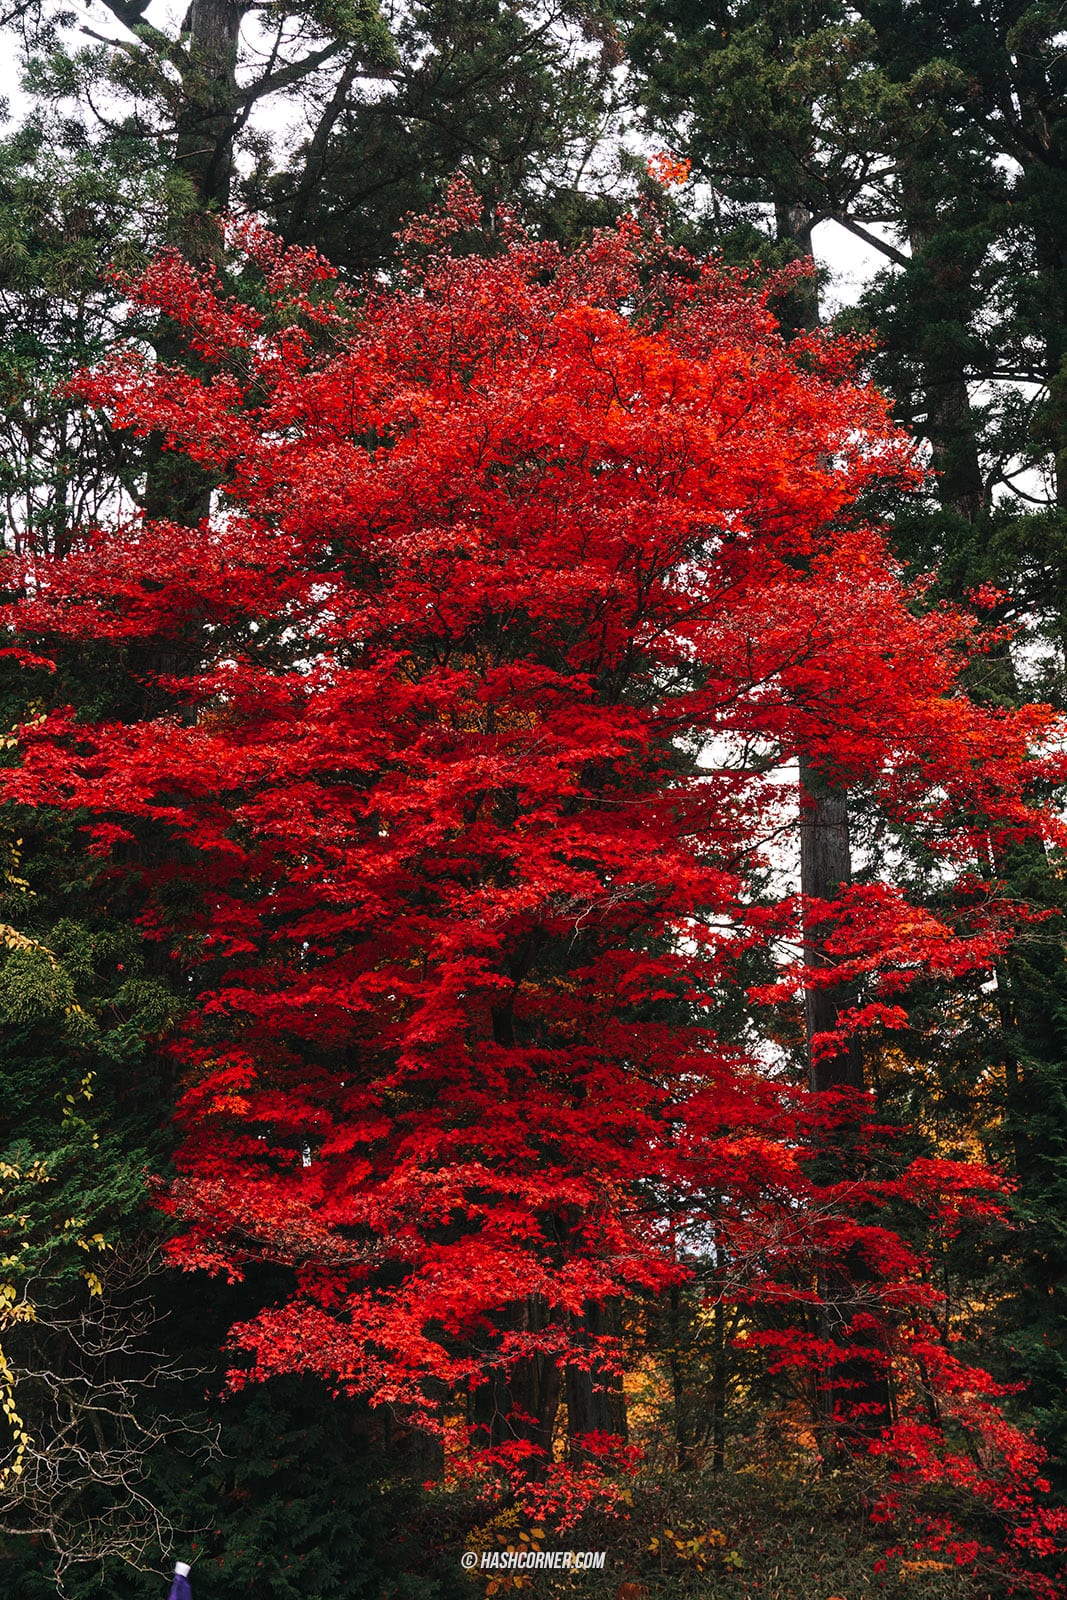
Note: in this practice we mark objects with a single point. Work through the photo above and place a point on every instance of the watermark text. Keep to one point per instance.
(534, 1560)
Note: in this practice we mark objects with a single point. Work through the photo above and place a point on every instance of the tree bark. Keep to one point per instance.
(595, 1399)
(523, 1402)
(825, 869)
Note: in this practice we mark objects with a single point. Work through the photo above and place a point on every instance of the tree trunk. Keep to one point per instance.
(595, 1399)
(825, 868)
(523, 1402)
(175, 488)
(951, 426)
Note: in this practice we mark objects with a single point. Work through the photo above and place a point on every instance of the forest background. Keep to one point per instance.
(934, 135)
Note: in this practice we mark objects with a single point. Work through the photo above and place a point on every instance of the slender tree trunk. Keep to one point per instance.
(315, 163)
(825, 848)
(825, 869)
(682, 1453)
(719, 1386)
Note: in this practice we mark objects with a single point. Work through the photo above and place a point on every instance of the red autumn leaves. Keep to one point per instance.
(459, 784)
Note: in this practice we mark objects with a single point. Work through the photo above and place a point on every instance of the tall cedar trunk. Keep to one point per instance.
(524, 1402)
(825, 867)
(952, 431)
(1040, 151)
(207, 121)
(950, 421)
(595, 1399)
(175, 488)
(953, 446)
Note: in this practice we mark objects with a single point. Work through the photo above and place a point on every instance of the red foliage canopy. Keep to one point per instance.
(469, 712)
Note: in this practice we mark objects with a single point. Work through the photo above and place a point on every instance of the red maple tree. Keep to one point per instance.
(466, 719)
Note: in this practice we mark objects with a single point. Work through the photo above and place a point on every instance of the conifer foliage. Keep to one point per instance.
(524, 583)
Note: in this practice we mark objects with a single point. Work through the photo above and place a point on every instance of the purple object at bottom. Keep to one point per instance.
(179, 1589)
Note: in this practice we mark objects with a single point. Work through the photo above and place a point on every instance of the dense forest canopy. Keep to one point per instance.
(533, 968)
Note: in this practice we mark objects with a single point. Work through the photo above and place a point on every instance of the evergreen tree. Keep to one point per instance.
(520, 97)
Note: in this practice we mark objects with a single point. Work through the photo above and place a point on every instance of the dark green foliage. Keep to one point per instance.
(305, 1502)
(67, 216)
(514, 96)
(297, 1501)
